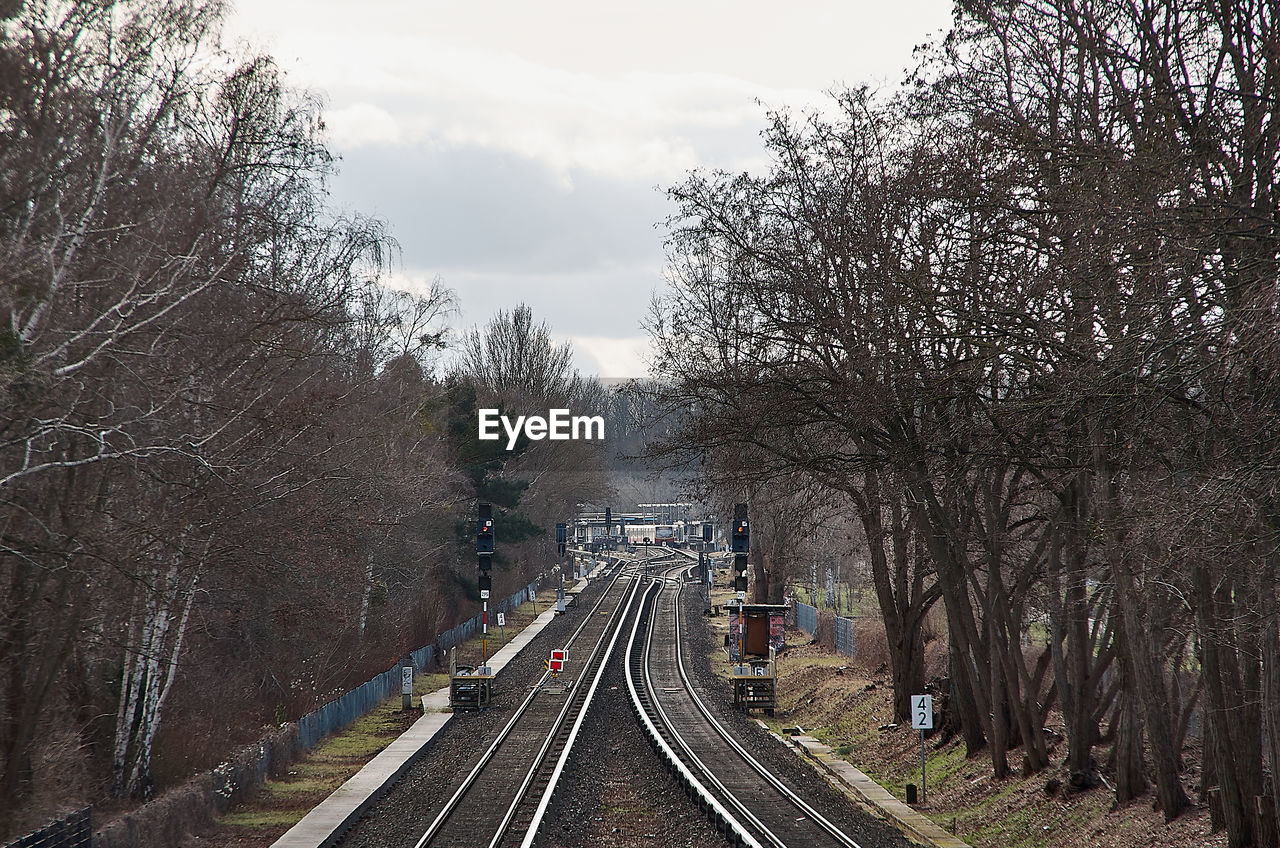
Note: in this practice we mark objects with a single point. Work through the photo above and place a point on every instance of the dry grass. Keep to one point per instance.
(849, 707)
(280, 804)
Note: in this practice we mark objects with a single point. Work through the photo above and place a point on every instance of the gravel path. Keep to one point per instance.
(616, 790)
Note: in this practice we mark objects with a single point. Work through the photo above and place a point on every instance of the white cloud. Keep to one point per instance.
(514, 147)
(409, 281)
(635, 126)
(450, 89)
(617, 358)
(361, 124)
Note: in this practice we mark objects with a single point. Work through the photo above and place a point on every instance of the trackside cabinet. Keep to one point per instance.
(756, 633)
(470, 688)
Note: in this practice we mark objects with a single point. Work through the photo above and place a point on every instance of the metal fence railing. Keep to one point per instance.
(844, 636)
(74, 831)
(346, 708)
(806, 619)
(249, 767)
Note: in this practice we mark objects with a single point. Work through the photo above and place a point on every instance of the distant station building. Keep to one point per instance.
(665, 524)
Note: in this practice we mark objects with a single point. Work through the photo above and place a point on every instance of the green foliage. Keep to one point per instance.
(501, 492)
(483, 463)
(10, 346)
(515, 527)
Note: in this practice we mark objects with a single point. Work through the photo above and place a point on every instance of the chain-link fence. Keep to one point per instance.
(807, 619)
(343, 710)
(844, 636)
(74, 831)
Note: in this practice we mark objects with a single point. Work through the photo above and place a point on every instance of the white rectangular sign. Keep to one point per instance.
(484, 594)
(922, 712)
(502, 620)
(406, 680)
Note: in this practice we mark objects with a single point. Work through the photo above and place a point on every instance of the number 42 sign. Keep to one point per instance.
(922, 712)
(922, 720)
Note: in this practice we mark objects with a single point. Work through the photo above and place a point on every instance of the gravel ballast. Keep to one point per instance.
(616, 790)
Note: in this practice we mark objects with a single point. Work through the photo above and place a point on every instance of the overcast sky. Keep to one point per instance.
(518, 150)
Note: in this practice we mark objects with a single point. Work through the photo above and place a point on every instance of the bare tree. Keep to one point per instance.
(180, 355)
(1021, 300)
(513, 364)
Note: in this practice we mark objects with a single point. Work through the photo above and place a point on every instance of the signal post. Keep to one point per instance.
(472, 687)
(758, 628)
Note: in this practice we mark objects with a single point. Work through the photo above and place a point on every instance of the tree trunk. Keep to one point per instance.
(999, 725)
(1270, 638)
(964, 707)
(1144, 668)
(900, 592)
(1131, 778)
(759, 573)
(1234, 746)
(366, 593)
(1079, 658)
(1149, 680)
(151, 665)
(970, 674)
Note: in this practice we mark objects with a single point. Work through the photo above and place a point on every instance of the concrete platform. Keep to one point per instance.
(914, 824)
(326, 822)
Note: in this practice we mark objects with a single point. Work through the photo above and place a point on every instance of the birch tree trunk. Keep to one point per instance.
(152, 658)
(364, 596)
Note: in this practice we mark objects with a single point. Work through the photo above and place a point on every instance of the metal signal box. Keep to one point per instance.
(470, 687)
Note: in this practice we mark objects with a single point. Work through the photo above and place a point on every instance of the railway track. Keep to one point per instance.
(753, 806)
(500, 802)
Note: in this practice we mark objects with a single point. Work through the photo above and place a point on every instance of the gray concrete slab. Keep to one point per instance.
(914, 824)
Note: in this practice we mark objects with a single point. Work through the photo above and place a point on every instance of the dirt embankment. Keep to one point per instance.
(848, 705)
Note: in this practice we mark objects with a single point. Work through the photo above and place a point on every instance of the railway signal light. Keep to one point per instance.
(741, 539)
(484, 543)
(741, 544)
(484, 529)
(484, 559)
(562, 537)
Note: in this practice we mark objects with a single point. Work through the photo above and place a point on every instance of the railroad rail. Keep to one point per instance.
(753, 806)
(501, 800)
